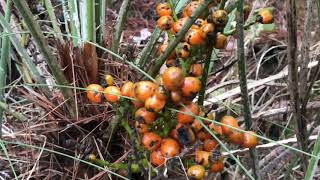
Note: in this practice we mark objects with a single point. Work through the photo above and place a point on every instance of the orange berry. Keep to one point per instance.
(143, 115)
(173, 78)
(112, 94)
(236, 137)
(250, 140)
(265, 16)
(162, 48)
(191, 86)
(207, 29)
(202, 135)
(154, 104)
(184, 50)
(94, 93)
(172, 63)
(185, 135)
(190, 8)
(156, 158)
(142, 128)
(151, 141)
(216, 128)
(183, 117)
(161, 93)
(217, 166)
(163, 9)
(199, 23)
(209, 144)
(202, 157)
(127, 89)
(196, 70)
(194, 37)
(169, 147)
(144, 89)
(231, 121)
(177, 26)
(196, 126)
(220, 17)
(176, 97)
(221, 41)
(165, 22)
(196, 172)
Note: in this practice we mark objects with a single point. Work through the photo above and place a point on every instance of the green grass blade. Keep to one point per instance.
(312, 167)
(102, 22)
(75, 23)
(88, 20)
(4, 149)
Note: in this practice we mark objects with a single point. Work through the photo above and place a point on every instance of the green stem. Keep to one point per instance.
(87, 20)
(53, 19)
(119, 26)
(5, 57)
(204, 77)
(243, 84)
(102, 22)
(39, 39)
(75, 24)
(172, 45)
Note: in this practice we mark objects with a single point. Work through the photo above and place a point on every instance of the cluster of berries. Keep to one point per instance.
(176, 88)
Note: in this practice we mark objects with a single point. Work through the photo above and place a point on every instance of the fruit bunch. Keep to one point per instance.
(165, 133)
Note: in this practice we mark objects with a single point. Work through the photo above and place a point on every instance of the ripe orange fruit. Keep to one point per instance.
(165, 22)
(217, 166)
(216, 128)
(162, 48)
(202, 157)
(163, 9)
(207, 29)
(236, 137)
(142, 128)
(250, 140)
(137, 103)
(196, 126)
(221, 41)
(144, 89)
(94, 93)
(191, 86)
(174, 132)
(197, 172)
(184, 50)
(231, 121)
(190, 8)
(173, 78)
(151, 141)
(177, 26)
(112, 94)
(209, 144)
(220, 17)
(183, 117)
(169, 147)
(154, 104)
(109, 80)
(172, 63)
(265, 16)
(185, 135)
(203, 135)
(176, 97)
(196, 70)
(156, 158)
(143, 115)
(127, 89)
(194, 37)
(161, 93)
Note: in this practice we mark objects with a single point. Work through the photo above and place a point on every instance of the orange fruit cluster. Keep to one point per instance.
(176, 88)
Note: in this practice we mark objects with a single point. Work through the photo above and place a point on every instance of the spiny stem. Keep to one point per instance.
(243, 84)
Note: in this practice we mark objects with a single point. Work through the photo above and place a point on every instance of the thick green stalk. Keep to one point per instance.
(39, 39)
(102, 22)
(75, 23)
(119, 26)
(243, 84)
(53, 19)
(159, 62)
(87, 20)
(5, 57)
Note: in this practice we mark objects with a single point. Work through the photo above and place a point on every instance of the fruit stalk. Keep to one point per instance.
(172, 45)
(243, 83)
